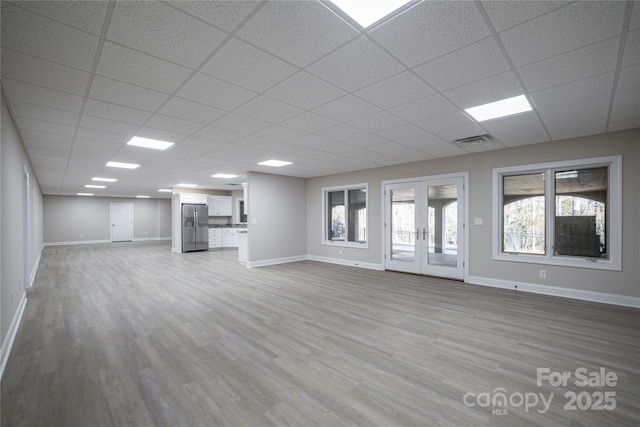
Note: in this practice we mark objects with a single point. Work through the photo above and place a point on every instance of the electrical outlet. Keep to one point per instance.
(340, 252)
(543, 274)
(81, 235)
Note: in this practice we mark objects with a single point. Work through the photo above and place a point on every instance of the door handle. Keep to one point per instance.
(424, 234)
(417, 233)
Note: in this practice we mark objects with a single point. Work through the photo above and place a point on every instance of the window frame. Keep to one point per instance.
(325, 216)
(614, 214)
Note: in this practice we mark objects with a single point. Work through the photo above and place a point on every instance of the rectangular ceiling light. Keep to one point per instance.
(224, 175)
(103, 179)
(122, 165)
(275, 163)
(85, 194)
(165, 190)
(142, 197)
(503, 108)
(155, 144)
(94, 186)
(368, 12)
(186, 185)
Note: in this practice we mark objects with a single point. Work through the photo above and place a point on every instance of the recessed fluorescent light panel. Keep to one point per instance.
(187, 185)
(165, 190)
(368, 12)
(122, 165)
(275, 163)
(94, 186)
(103, 179)
(85, 194)
(224, 175)
(503, 108)
(155, 144)
(142, 197)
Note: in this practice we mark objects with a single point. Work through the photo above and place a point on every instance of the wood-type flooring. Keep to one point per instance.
(130, 334)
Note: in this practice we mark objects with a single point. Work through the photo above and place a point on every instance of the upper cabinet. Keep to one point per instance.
(220, 205)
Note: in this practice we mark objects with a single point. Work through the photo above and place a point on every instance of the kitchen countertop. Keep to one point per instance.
(228, 226)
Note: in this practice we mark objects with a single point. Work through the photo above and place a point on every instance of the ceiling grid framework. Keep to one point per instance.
(236, 83)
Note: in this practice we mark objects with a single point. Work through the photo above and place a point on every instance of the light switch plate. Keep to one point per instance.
(477, 221)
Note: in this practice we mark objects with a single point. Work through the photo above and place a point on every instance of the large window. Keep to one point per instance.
(345, 215)
(563, 213)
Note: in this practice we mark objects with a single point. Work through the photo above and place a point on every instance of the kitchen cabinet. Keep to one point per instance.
(220, 205)
(229, 238)
(215, 238)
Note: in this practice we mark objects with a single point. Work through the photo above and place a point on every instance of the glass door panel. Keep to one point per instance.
(401, 228)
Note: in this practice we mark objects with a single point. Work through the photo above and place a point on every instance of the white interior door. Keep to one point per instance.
(425, 227)
(121, 222)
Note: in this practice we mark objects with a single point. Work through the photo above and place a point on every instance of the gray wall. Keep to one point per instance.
(479, 166)
(17, 269)
(77, 219)
(278, 206)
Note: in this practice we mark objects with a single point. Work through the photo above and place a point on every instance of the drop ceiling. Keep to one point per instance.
(236, 83)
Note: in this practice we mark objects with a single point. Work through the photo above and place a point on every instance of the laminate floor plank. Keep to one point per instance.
(130, 334)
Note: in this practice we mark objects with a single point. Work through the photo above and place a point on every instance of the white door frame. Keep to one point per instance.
(414, 180)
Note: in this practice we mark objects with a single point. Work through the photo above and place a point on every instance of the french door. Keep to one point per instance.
(424, 226)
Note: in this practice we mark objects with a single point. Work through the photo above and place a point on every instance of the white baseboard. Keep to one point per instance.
(7, 344)
(34, 270)
(76, 242)
(150, 239)
(275, 261)
(347, 262)
(557, 291)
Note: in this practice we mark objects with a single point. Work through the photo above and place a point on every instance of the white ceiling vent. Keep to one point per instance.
(475, 140)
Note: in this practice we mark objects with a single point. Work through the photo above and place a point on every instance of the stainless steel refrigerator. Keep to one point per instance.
(195, 228)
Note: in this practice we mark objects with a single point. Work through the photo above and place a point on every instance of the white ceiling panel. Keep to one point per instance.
(471, 63)
(305, 91)
(36, 95)
(346, 108)
(507, 14)
(432, 29)
(572, 27)
(244, 65)
(586, 62)
(129, 66)
(298, 33)
(162, 31)
(268, 109)
(399, 89)
(55, 42)
(236, 82)
(29, 69)
(350, 67)
(214, 92)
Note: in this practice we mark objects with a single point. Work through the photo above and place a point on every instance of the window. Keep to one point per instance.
(562, 213)
(345, 215)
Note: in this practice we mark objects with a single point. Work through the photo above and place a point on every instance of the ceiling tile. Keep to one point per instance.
(115, 112)
(578, 64)
(42, 126)
(268, 109)
(632, 48)
(52, 115)
(256, 142)
(129, 66)
(441, 149)
(431, 29)
(346, 108)
(244, 65)
(365, 141)
(574, 91)
(491, 89)
(39, 72)
(583, 117)
(299, 33)
(521, 129)
(226, 15)
(84, 15)
(400, 151)
(452, 126)
(574, 26)
(43, 38)
(279, 133)
(188, 110)
(377, 122)
(399, 89)
(218, 134)
(161, 134)
(311, 141)
(160, 30)
(36, 95)
(471, 63)
(350, 66)
(504, 14)
(309, 122)
(401, 132)
(112, 126)
(629, 78)
(214, 92)
(241, 124)
(626, 110)
(341, 132)
(422, 109)
(305, 91)
(173, 124)
(204, 143)
(109, 90)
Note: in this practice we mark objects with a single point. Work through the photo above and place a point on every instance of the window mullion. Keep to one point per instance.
(550, 206)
